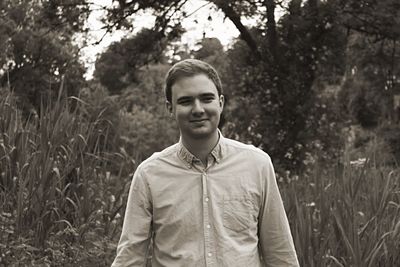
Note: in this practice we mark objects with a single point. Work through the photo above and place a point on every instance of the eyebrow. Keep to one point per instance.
(207, 95)
(185, 98)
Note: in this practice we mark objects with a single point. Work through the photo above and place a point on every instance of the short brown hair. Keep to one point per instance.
(189, 68)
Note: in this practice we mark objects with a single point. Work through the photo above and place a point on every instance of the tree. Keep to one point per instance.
(370, 17)
(283, 91)
(281, 68)
(37, 37)
(169, 14)
(370, 81)
(148, 128)
(372, 52)
(119, 65)
(209, 47)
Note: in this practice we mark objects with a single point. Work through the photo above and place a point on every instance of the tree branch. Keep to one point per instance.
(235, 18)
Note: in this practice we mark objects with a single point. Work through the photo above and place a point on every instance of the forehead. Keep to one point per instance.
(193, 86)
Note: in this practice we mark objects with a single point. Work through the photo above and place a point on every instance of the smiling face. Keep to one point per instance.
(196, 106)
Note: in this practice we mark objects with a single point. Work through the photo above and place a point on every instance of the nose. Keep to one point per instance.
(197, 108)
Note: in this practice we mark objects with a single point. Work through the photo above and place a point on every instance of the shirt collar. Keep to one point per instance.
(189, 158)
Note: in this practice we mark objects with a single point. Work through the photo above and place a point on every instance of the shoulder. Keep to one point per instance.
(157, 159)
(248, 150)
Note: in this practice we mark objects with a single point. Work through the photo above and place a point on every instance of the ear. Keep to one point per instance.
(169, 108)
(221, 101)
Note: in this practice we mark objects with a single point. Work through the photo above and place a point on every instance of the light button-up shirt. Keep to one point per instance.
(228, 213)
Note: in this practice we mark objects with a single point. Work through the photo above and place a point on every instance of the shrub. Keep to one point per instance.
(391, 135)
(347, 215)
(60, 201)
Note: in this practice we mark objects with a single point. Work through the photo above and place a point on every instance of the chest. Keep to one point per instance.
(184, 195)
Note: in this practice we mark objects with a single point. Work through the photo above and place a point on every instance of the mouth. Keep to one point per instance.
(196, 121)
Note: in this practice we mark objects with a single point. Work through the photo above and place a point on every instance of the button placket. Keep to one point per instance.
(209, 246)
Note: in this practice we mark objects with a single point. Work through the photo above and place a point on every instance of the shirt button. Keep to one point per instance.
(209, 254)
(206, 199)
(208, 226)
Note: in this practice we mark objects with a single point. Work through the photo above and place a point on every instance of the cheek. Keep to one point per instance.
(180, 114)
(216, 110)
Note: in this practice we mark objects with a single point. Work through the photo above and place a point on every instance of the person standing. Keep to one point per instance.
(206, 200)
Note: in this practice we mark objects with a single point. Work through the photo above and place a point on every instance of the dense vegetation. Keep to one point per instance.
(318, 89)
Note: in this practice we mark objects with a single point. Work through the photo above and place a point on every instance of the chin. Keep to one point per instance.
(199, 133)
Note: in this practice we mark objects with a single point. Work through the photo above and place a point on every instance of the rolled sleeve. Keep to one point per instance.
(276, 242)
(133, 246)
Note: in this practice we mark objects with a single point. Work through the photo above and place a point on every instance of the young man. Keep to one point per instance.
(207, 200)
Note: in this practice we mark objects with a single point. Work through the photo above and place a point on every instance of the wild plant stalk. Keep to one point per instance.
(347, 216)
(62, 186)
(57, 174)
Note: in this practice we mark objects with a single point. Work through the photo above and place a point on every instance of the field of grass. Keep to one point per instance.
(63, 187)
(346, 216)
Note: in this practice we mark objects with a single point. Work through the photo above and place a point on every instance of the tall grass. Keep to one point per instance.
(346, 215)
(64, 179)
(61, 188)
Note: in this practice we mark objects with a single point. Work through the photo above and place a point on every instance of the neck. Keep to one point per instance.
(201, 148)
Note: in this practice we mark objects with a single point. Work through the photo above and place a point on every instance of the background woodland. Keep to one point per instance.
(317, 88)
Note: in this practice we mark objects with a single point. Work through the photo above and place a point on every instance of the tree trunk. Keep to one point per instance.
(271, 30)
(235, 18)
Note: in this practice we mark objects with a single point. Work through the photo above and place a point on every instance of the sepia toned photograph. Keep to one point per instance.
(200, 133)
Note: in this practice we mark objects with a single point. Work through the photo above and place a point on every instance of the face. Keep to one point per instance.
(196, 106)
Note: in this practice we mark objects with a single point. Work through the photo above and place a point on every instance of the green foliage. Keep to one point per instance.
(374, 18)
(209, 47)
(147, 132)
(292, 88)
(391, 134)
(284, 92)
(347, 215)
(370, 80)
(37, 40)
(119, 65)
(211, 51)
(146, 125)
(63, 190)
(67, 170)
(58, 191)
(283, 68)
(68, 15)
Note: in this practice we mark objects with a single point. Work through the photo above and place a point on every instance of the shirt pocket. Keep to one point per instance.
(237, 213)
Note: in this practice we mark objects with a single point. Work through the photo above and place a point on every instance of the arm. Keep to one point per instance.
(133, 245)
(275, 239)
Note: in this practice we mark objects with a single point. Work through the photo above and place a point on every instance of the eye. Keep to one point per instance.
(208, 99)
(184, 102)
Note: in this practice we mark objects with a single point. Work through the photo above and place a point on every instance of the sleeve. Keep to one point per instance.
(276, 242)
(133, 246)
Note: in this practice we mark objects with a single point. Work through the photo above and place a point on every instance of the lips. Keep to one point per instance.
(201, 120)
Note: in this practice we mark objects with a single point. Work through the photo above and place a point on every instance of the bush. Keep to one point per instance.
(391, 135)
(347, 215)
(61, 198)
